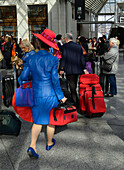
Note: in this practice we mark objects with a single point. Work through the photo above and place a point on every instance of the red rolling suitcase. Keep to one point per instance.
(82, 90)
(89, 79)
(94, 101)
(85, 80)
(91, 96)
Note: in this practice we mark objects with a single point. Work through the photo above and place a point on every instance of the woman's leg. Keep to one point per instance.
(50, 133)
(36, 129)
(113, 86)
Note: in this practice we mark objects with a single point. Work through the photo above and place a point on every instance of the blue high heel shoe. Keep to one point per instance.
(49, 147)
(31, 152)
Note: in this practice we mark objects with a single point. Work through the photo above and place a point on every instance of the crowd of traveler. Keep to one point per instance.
(9, 48)
(92, 48)
(82, 52)
(43, 67)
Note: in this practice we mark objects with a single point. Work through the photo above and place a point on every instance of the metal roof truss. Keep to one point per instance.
(94, 6)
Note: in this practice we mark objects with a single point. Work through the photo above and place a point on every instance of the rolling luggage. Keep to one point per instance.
(9, 123)
(64, 87)
(94, 101)
(63, 83)
(8, 89)
(85, 80)
(82, 89)
(91, 96)
(88, 79)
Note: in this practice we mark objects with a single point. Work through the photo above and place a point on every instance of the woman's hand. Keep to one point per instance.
(63, 100)
(20, 62)
(61, 72)
(86, 72)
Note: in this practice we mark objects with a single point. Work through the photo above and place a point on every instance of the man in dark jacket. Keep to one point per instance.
(73, 64)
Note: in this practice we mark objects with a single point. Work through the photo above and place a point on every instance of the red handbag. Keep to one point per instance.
(24, 112)
(62, 115)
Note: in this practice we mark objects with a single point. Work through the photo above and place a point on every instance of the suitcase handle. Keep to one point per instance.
(66, 105)
(93, 93)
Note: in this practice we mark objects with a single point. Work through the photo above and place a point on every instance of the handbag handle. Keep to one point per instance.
(28, 85)
(66, 105)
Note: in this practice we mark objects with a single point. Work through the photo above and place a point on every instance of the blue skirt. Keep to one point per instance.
(41, 109)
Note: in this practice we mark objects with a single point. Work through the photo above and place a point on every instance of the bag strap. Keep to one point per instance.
(66, 105)
(84, 51)
(54, 113)
(28, 86)
(93, 93)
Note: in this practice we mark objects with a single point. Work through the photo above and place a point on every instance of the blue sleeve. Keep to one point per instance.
(24, 75)
(55, 81)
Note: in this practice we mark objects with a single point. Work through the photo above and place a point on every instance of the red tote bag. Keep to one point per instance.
(63, 115)
(24, 112)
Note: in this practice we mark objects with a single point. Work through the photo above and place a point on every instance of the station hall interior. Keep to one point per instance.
(87, 144)
(91, 18)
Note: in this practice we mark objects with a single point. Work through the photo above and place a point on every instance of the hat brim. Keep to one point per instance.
(51, 44)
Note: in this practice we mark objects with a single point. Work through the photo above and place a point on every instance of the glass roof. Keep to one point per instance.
(95, 6)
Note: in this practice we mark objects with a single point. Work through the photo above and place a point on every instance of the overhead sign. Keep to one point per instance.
(79, 9)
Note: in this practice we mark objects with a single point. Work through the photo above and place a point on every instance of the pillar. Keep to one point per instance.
(22, 21)
(69, 16)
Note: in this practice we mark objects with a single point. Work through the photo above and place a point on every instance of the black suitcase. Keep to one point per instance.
(8, 89)
(64, 87)
(63, 83)
(9, 123)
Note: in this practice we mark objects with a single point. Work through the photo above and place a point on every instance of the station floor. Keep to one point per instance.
(88, 144)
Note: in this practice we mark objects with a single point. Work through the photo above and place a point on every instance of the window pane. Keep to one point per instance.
(37, 11)
(8, 28)
(8, 12)
(37, 27)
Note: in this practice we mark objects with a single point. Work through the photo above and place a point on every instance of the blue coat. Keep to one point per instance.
(73, 61)
(45, 83)
(44, 70)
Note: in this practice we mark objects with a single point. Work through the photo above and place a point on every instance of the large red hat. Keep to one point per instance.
(48, 37)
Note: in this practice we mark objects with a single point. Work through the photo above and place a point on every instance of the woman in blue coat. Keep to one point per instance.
(28, 50)
(46, 88)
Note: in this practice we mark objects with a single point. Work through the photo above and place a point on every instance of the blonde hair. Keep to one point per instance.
(26, 43)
